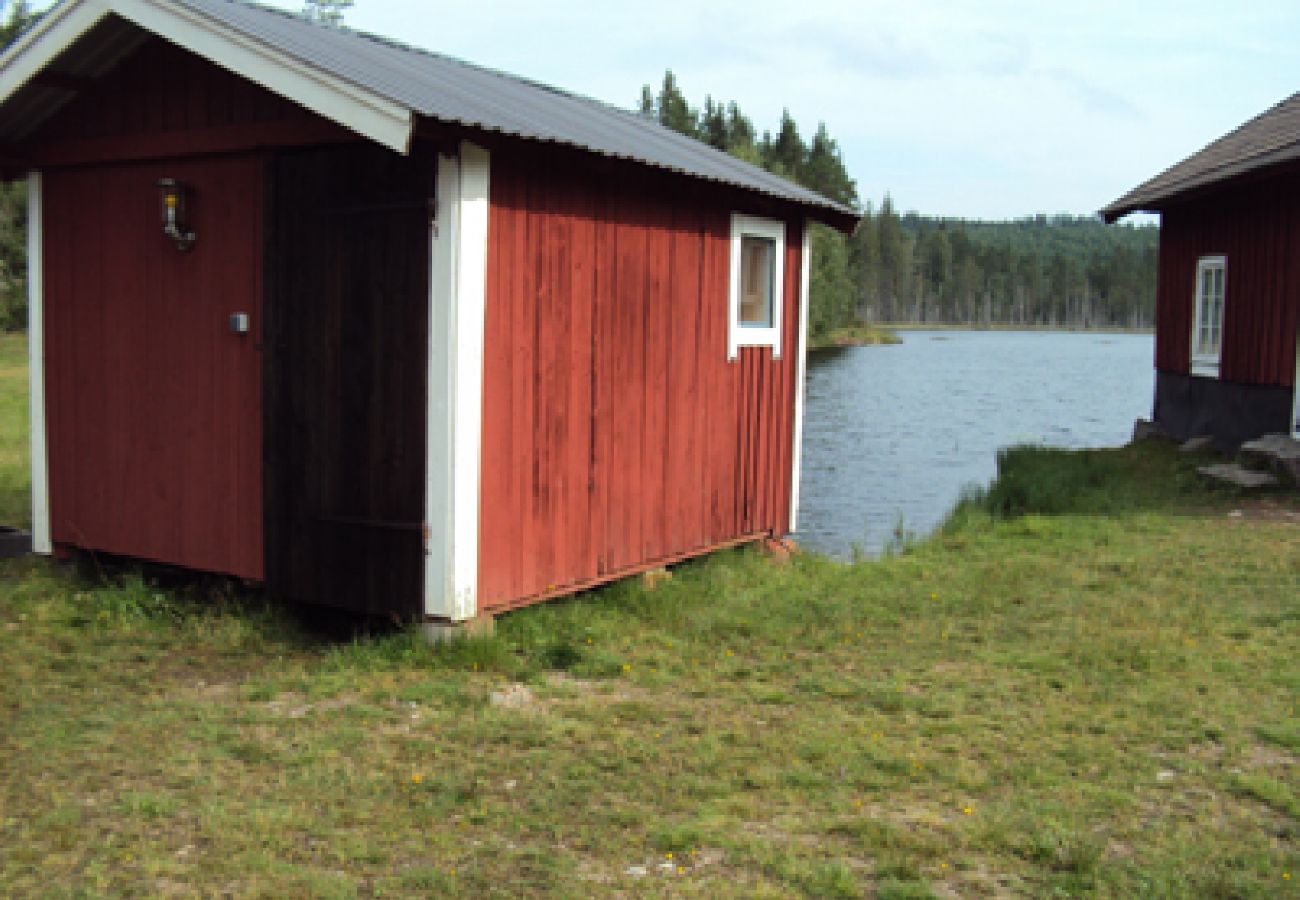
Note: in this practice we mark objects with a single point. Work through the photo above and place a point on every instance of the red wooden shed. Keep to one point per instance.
(384, 330)
(1228, 282)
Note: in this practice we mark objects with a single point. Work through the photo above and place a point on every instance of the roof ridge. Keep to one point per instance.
(394, 43)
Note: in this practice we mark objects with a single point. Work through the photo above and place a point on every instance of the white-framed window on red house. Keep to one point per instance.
(1207, 315)
(755, 295)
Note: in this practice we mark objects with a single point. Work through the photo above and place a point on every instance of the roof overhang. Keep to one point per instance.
(365, 112)
(1146, 199)
(1265, 145)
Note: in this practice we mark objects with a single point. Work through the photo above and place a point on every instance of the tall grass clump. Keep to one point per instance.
(1048, 481)
(1035, 480)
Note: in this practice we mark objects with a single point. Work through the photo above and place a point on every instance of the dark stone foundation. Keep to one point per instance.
(1188, 406)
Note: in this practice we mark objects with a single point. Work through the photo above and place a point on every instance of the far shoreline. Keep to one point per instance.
(855, 336)
(1006, 326)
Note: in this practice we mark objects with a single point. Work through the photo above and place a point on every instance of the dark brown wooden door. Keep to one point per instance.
(154, 402)
(347, 361)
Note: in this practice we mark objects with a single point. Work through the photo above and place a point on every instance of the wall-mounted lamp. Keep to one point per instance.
(173, 196)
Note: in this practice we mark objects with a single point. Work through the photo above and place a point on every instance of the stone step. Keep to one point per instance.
(1278, 453)
(1231, 473)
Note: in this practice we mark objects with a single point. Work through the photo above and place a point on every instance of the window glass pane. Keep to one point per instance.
(757, 264)
(1208, 331)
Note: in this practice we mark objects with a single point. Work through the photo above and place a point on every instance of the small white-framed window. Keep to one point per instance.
(1207, 315)
(756, 291)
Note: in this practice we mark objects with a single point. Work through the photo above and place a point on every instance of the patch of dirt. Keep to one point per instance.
(217, 690)
(1267, 756)
(515, 696)
(978, 881)
(295, 706)
(614, 691)
(1283, 510)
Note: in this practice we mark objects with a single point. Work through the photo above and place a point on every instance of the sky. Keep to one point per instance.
(987, 110)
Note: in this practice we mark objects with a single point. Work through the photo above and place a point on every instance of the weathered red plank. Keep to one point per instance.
(655, 512)
(682, 496)
(495, 562)
(581, 557)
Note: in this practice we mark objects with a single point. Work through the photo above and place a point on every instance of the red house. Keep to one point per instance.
(1228, 283)
(384, 330)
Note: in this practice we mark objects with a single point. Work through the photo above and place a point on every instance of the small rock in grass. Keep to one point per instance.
(1237, 476)
(1165, 775)
(638, 871)
(655, 577)
(1197, 445)
(513, 696)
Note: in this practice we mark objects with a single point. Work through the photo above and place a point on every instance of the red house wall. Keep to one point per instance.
(616, 432)
(154, 407)
(1257, 228)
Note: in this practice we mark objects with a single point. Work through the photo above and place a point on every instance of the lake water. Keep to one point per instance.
(893, 434)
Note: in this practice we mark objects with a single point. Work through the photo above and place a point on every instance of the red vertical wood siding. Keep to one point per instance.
(616, 432)
(154, 406)
(1257, 228)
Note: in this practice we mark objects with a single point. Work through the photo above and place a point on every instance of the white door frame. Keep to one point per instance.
(41, 542)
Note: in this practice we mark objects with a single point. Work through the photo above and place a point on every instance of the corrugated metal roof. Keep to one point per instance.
(452, 91)
(1268, 139)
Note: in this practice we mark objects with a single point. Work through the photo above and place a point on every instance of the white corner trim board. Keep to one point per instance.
(457, 306)
(471, 307)
(801, 375)
(365, 112)
(41, 542)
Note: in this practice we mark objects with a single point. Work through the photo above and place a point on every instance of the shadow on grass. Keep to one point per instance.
(172, 593)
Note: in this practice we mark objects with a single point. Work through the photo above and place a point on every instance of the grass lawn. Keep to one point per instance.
(1093, 691)
(15, 452)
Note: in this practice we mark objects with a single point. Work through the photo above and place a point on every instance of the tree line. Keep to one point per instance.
(1060, 271)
